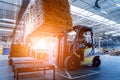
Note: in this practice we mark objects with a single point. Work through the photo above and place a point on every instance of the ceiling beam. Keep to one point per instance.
(10, 3)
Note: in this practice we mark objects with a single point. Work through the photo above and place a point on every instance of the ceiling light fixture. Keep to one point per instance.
(96, 6)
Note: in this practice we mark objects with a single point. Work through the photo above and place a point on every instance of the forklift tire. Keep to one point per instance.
(72, 63)
(96, 62)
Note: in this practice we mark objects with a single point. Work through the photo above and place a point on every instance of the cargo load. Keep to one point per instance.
(52, 16)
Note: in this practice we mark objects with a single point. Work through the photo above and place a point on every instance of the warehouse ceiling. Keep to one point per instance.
(102, 15)
(8, 12)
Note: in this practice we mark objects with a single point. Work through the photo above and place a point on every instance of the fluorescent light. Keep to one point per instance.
(118, 5)
(117, 34)
(75, 9)
(111, 22)
(8, 30)
(117, 25)
(110, 32)
(104, 12)
(97, 17)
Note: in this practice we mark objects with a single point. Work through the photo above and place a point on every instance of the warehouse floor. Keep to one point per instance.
(109, 70)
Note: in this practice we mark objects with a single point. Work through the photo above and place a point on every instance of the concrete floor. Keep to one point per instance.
(109, 70)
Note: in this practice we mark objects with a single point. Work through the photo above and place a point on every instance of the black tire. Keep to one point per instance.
(72, 63)
(96, 62)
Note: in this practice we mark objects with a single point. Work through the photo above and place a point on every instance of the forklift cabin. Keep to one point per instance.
(76, 48)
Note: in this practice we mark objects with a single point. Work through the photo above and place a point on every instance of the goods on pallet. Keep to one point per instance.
(115, 52)
(51, 16)
(18, 50)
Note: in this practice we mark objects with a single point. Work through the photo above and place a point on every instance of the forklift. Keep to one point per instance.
(76, 47)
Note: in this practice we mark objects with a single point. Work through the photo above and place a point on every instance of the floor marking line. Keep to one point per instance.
(70, 77)
(62, 75)
(68, 74)
(93, 71)
(85, 75)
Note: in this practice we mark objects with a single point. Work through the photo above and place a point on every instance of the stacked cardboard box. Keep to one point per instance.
(51, 16)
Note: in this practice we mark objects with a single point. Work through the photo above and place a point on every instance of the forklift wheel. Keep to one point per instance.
(71, 63)
(96, 62)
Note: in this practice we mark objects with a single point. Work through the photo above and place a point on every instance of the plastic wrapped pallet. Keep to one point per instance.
(51, 16)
